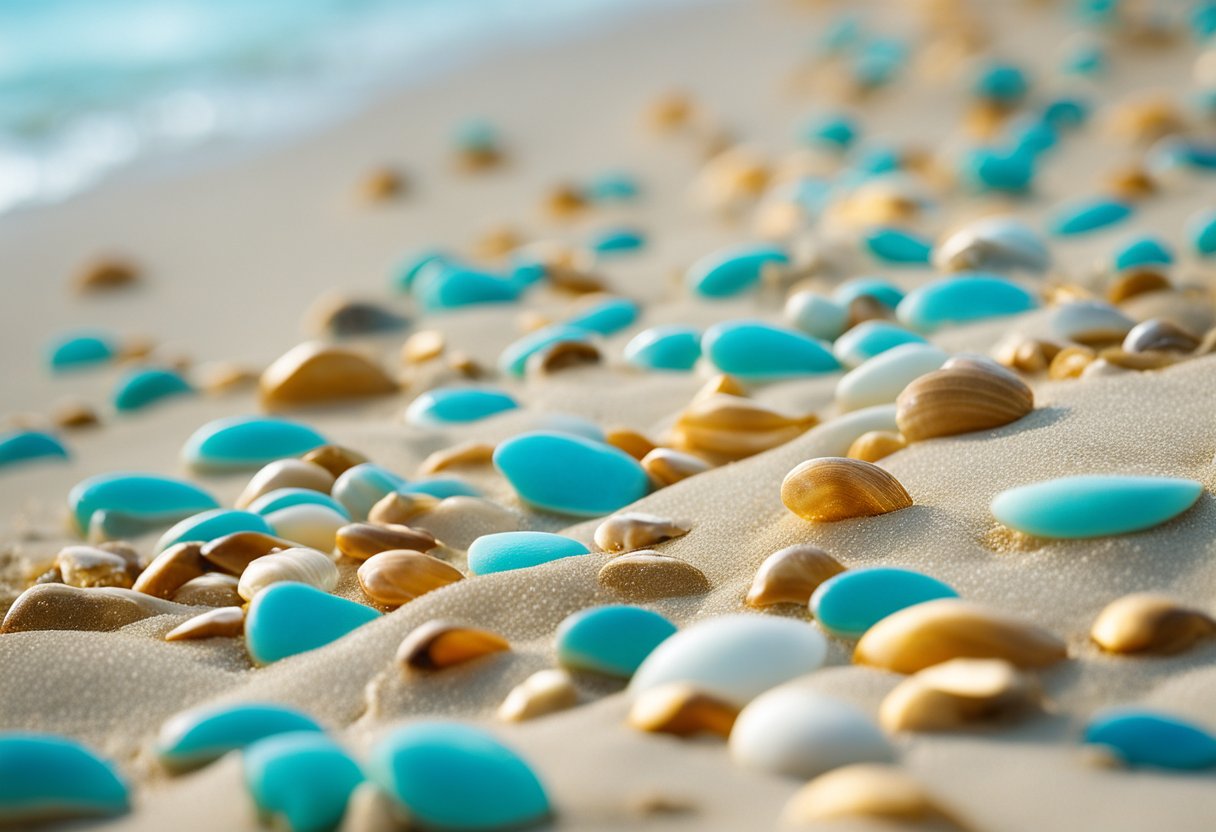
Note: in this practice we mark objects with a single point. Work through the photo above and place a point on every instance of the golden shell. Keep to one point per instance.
(790, 575)
(316, 373)
(396, 576)
(439, 644)
(874, 445)
(544, 692)
(959, 693)
(667, 467)
(1149, 623)
(363, 540)
(836, 488)
(680, 709)
(635, 530)
(961, 398)
(171, 569)
(222, 622)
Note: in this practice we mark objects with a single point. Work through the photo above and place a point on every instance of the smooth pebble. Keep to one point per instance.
(458, 405)
(816, 315)
(289, 618)
(209, 525)
(755, 350)
(870, 339)
(613, 640)
(514, 359)
(731, 271)
(1086, 215)
(569, 474)
(880, 380)
(46, 777)
(81, 349)
(962, 298)
(668, 347)
(22, 445)
(505, 551)
(1094, 505)
(898, 247)
(848, 604)
(301, 781)
(362, 486)
(140, 388)
(606, 317)
(199, 735)
(1141, 737)
(245, 442)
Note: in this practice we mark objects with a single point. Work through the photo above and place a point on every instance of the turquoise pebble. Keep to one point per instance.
(440, 487)
(1202, 20)
(614, 639)
(1144, 738)
(756, 350)
(45, 777)
(504, 551)
(20, 445)
(514, 359)
(615, 240)
(841, 34)
(81, 349)
(209, 525)
(848, 604)
(246, 442)
(442, 285)
(1086, 60)
(1095, 505)
(883, 291)
(1143, 251)
(195, 737)
(284, 497)
(1087, 215)
(871, 338)
(892, 245)
(1201, 231)
(1002, 83)
(149, 497)
(301, 781)
(962, 298)
(733, 270)
(879, 62)
(362, 486)
(289, 618)
(1066, 112)
(476, 134)
(607, 317)
(613, 186)
(408, 271)
(140, 388)
(876, 161)
(836, 131)
(667, 347)
(457, 777)
(1006, 171)
(458, 405)
(569, 474)
(1034, 136)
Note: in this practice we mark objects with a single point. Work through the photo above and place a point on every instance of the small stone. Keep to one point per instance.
(106, 274)
(82, 349)
(520, 550)
(458, 405)
(569, 474)
(866, 790)
(23, 445)
(667, 467)
(669, 347)
(397, 576)
(308, 524)
(362, 486)
(646, 575)
(245, 442)
(208, 525)
(897, 247)
(397, 509)
(514, 359)
(301, 781)
(221, 622)
(382, 185)
(612, 640)
(634, 530)
(1148, 623)
(140, 388)
(314, 373)
(334, 459)
(214, 589)
(152, 499)
(754, 350)
(848, 604)
(47, 778)
(195, 737)
(288, 618)
(960, 693)
(962, 298)
(1086, 215)
(172, 568)
(436, 645)
(733, 270)
(1144, 738)
(423, 346)
(682, 710)
(562, 355)
(870, 339)
(997, 244)
(816, 315)
(100, 609)
(544, 692)
(285, 473)
(91, 566)
(470, 452)
(71, 415)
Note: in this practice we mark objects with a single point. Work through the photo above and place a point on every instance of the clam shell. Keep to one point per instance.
(961, 399)
(401, 509)
(682, 710)
(1089, 322)
(629, 441)
(865, 790)
(363, 540)
(233, 552)
(221, 622)
(957, 694)
(315, 373)
(285, 473)
(1159, 335)
(544, 692)
(305, 566)
(471, 452)
(440, 644)
(790, 575)
(874, 445)
(836, 488)
(635, 530)
(998, 244)
(731, 427)
(1150, 623)
(334, 459)
(396, 576)
(170, 569)
(667, 467)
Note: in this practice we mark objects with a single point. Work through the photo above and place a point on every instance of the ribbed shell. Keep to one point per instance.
(961, 399)
(836, 488)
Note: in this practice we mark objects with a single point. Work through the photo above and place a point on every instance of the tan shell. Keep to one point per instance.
(226, 377)
(790, 575)
(874, 445)
(1138, 282)
(439, 644)
(497, 242)
(422, 346)
(471, 452)
(565, 200)
(1138, 361)
(1159, 335)
(233, 552)
(730, 427)
(1146, 119)
(396, 509)
(92, 566)
(680, 709)
(398, 576)
(957, 694)
(961, 399)
(105, 274)
(221, 622)
(100, 609)
(214, 589)
(670, 111)
(562, 355)
(667, 467)
(315, 373)
(73, 414)
(170, 569)
(382, 185)
(865, 790)
(635, 530)
(721, 383)
(306, 566)
(835, 488)
(544, 692)
(867, 308)
(1070, 362)
(1131, 182)
(363, 540)
(937, 631)
(646, 575)
(1026, 355)
(629, 441)
(1146, 622)
(334, 459)
(285, 473)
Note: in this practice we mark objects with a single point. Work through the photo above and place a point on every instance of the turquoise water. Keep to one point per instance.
(87, 86)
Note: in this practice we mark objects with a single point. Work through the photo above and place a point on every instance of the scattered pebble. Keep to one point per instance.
(151, 498)
(338, 317)
(231, 553)
(1087, 215)
(866, 790)
(754, 350)
(544, 692)
(397, 576)
(282, 474)
(361, 486)
(363, 540)
(82, 349)
(50, 778)
(169, 570)
(631, 530)
(287, 618)
(334, 459)
(458, 405)
(214, 589)
(57, 606)
(208, 525)
(732, 271)
(791, 575)
(200, 735)
(1148, 623)
(959, 694)
(851, 602)
(612, 640)
(302, 781)
(308, 523)
(670, 347)
(315, 373)
(1143, 738)
(646, 575)
(962, 298)
(568, 474)
(24, 445)
(998, 244)
(106, 274)
(221, 622)
(470, 452)
(247, 442)
(682, 710)
(1094, 505)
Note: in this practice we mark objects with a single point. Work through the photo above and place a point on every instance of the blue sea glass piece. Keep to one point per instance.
(569, 474)
(1141, 737)
(45, 777)
(302, 780)
(613, 640)
(504, 551)
(665, 347)
(961, 299)
(288, 618)
(199, 735)
(760, 351)
(848, 604)
(245, 442)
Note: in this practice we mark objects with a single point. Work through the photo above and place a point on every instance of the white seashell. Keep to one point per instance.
(999, 244)
(801, 733)
(308, 524)
(816, 314)
(285, 473)
(881, 379)
(306, 566)
(733, 657)
(1089, 321)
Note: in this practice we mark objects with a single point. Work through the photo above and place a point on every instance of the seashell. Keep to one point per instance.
(106, 274)
(423, 346)
(800, 733)
(1135, 283)
(646, 575)
(99, 609)
(962, 298)
(382, 185)
(732, 427)
(396, 509)
(999, 244)
(849, 604)
(288, 618)
(870, 339)
(636, 530)
(247, 442)
(279, 771)
(1159, 335)
(195, 737)
(682, 710)
(1100, 368)
(285, 473)
(957, 694)
(51, 778)
(221, 622)
(668, 347)
(816, 315)
(1145, 622)
(308, 524)
(1027, 355)
(315, 373)
(436, 645)
(214, 589)
(362, 540)
(961, 399)
(828, 489)
(754, 350)
(937, 631)
(360, 487)
(397, 576)
(721, 383)
(306, 566)
(1141, 737)
(866, 790)
(667, 467)
(612, 640)
(1146, 119)
(544, 692)
(148, 497)
(874, 445)
(514, 359)
(220, 378)
(1094, 505)
(338, 317)
(71, 415)
(208, 525)
(1131, 182)
(562, 355)
(733, 177)
(169, 570)
(671, 111)
(1118, 360)
(470, 452)
(1070, 362)
(497, 242)
(568, 474)
(334, 459)
(90, 566)
(1089, 322)
(790, 575)
(630, 441)
(564, 200)
(880, 379)
(233, 552)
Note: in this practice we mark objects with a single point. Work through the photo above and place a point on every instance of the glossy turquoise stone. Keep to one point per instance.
(614, 639)
(149, 497)
(21, 445)
(1143, 251)
(442, 285)
(1087, 215)
(613, 186)
(245, 442)
(441, 487)
(569, 474)
(666, 347)
(1141, 737)
(1066, 112)
(1034, 136)
(458, 405)
(848, 604)
(141, 388)
(284, 497)
(1201, 231)
(837, 132)
(1095, 505)
(81, 349)
(504, 551)
(476, 134)
(45, 777)
(1007, 171)
(879, 61)
(514, 359)
(616, 240)
(198, 736)
(607, 317)
(212, 524)
(756, 350)
(457, 777)
(871, 338)
(1002, 83)
(362, 486)
(961, 299)
(883, 291)
(1087, 59)
(407, 272)
(289, 618)
(300, 781)
(733, 270)
(892, 245)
